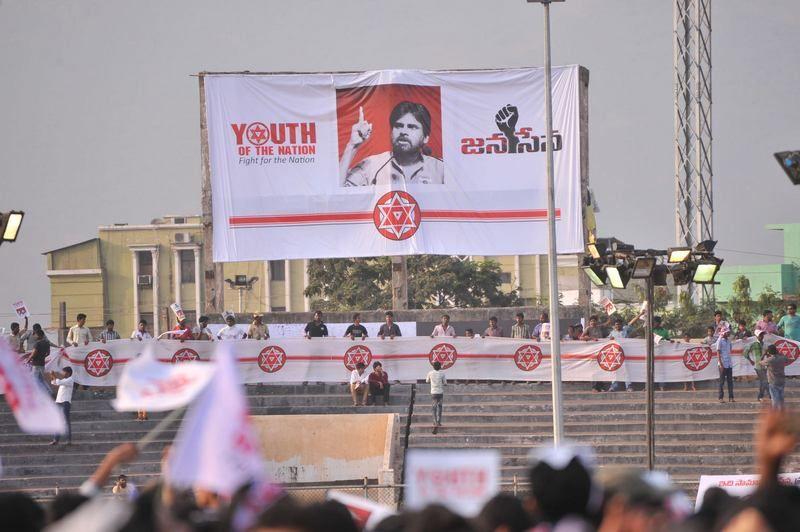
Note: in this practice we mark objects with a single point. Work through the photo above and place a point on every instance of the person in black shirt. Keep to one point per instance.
(316, 329)
(389, 328)
(356, 330)
(37, 358)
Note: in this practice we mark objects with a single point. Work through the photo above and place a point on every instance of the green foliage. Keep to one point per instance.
(434, 281)
(740, 304)
(769, 299)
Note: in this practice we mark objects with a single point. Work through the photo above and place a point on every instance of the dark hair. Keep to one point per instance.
(36, 326)
(144, 322)
(356, 316)
(468, 331)
(20, 512)
(317, 312)
(80, 317)
(68, 370)
(561, 492)
(437, 518)
(618, 320)
(520, 315)
(389, 313)
(772, 350)
(437, 365)
(14, 324)
(765, 312)
(446, 316)
(203, 318)
(493, 318)
(503, 510)
(656, 319)
(742, 322)
(39, 333)
(791, 305)
(376, 364)
(594, 317)
(109, 322)
(360, 365)
(545, 315)
(121, 476)
(417, 110)
(718, 313)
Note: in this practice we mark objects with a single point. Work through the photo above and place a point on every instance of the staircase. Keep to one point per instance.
(695, 434)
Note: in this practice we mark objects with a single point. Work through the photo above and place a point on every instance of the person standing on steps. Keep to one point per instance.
(438, 381)
(754, 353)
(725, 363)
(64, 401)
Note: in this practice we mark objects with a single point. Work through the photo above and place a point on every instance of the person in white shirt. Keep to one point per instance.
(124, 490)
(438, 381)
(79, 334)
(231, 331)
(64, 400)
(359, 384)
(141, 333)
(444, 328)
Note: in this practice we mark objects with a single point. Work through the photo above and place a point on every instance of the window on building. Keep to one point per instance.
(187, 265)
(277, 270)
(278, 309)
(145, 259)
(505, 277)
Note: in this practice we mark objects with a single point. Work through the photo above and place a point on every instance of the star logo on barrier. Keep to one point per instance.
(257, 133)
(788, 349)
(356, 354)
(697, 358)
(445, 354)
(271, 359)
(185, 355)
(397, 215)
(611, 357)
(98, 363)
(528, 357)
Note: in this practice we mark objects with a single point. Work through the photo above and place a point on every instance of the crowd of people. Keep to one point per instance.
(565, 493)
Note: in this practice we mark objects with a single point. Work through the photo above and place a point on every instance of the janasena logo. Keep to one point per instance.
(509, 139)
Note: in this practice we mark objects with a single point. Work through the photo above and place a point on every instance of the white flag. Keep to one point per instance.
(216, 448)
(147, 384)
(33, 408)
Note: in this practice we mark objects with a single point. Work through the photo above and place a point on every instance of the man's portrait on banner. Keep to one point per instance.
(390, 136)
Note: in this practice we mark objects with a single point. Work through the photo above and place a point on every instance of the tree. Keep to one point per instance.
(769, 299)
(740, 305)
(347, 284)
(434, 281)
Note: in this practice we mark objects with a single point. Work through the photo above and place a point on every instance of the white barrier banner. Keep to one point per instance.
(408, 359)
(392, 162)
(738, 485)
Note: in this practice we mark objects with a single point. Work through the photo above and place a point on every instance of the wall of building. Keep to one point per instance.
(782, 278)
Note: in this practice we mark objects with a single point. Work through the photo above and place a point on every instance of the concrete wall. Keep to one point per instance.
(328, 448)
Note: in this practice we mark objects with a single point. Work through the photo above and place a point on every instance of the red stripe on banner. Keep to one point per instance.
(80, 362)
(261, 220)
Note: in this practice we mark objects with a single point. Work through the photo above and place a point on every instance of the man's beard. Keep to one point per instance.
(404, 147)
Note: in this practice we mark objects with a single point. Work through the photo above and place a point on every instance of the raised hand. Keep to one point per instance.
(361, 129)
(506, 120)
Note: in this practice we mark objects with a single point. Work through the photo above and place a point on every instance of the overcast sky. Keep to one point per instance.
(99, 115)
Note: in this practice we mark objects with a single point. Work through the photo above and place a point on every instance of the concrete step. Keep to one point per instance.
(68, 469)
(68, 482)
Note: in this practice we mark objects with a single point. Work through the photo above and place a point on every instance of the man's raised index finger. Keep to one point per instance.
(360, 113)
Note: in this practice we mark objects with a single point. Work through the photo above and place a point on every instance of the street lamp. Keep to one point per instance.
(241, 283)
(622, 262)
(552, 257)
(10, 223)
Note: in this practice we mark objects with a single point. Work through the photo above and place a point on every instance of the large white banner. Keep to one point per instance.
(408, 359)
(391, 162)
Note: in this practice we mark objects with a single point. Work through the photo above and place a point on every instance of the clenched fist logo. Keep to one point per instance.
(361, 130)
(506, 120)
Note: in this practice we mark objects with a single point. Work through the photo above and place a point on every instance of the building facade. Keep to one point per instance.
(132, 272)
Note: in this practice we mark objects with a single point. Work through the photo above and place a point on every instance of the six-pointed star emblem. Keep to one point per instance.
(397, 215)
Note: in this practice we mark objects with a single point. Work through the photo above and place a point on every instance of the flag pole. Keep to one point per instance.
(159, 428)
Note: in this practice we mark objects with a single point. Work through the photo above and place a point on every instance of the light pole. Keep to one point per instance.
(552, 256)
(241, 283)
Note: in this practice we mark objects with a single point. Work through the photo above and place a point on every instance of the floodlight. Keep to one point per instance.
(659, 275)
(706, 271)
(675, 255)
(790, 162)
(596, 274)
(706, 246)
(621, 247)
(9, 225)
(643, 267)
(599, 247)
(618, 275)
(682, 273)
